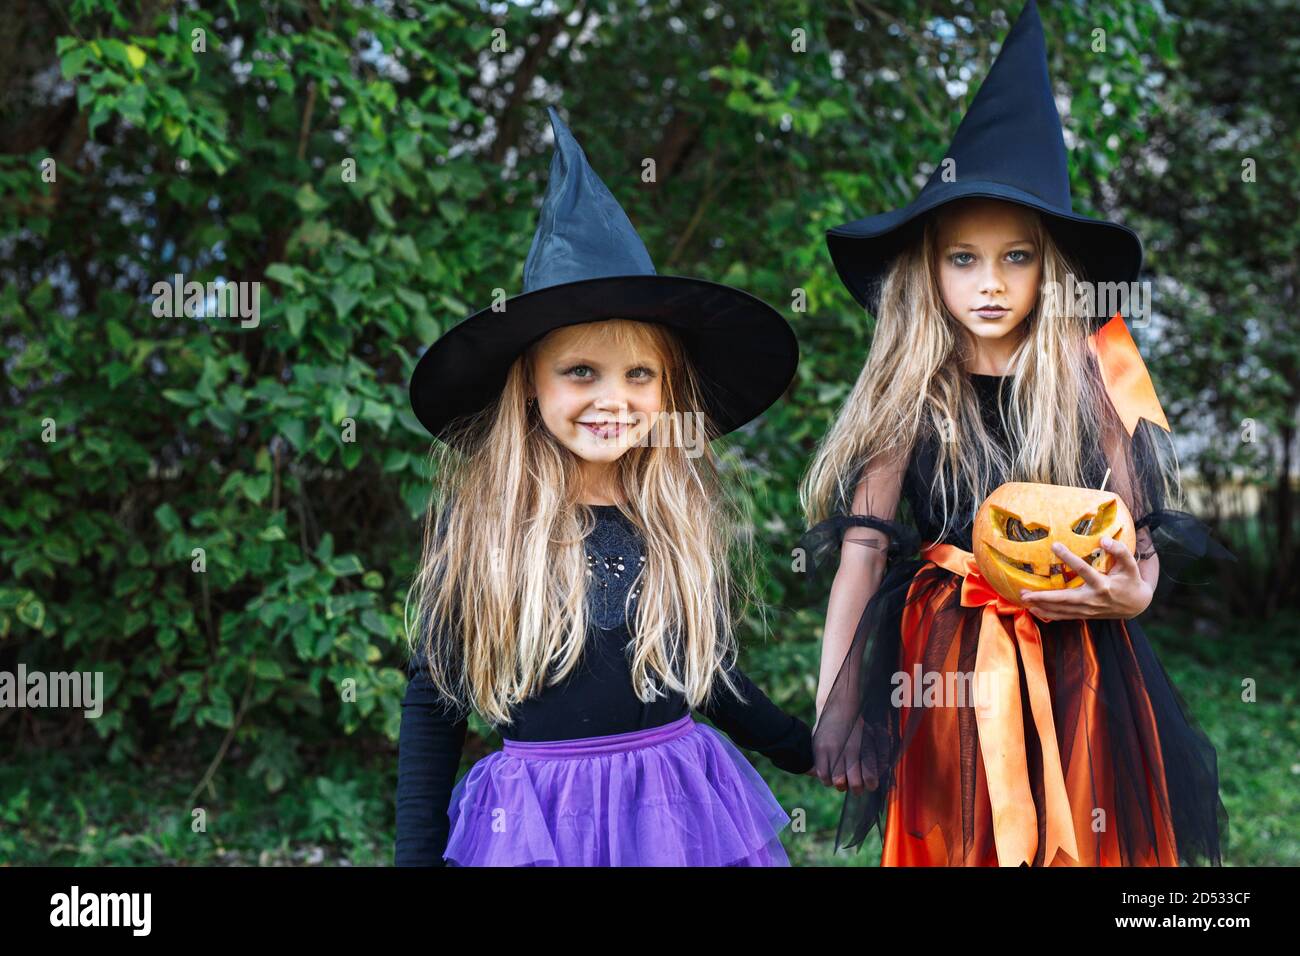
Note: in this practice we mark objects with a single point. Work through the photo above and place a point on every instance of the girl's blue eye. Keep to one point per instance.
(1028, 256)
(956, 256)
(641, 372)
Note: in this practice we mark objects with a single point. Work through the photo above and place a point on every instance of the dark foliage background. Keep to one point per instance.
(223, 519)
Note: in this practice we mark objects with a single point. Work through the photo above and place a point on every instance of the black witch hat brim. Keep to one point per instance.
(863, 251)
(744, 352)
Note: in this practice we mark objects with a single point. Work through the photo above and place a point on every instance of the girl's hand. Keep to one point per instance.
(1121, 593)
(839, 769)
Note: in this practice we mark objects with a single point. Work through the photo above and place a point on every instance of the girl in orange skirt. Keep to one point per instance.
(978, 731)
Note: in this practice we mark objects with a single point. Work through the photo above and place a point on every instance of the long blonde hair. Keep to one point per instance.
(913, 384)
(503, 572)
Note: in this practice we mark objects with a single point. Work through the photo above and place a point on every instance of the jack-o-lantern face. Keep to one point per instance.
(1019, 522)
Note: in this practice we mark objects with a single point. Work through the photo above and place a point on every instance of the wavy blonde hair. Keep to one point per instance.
(914, 383)
(505, 575)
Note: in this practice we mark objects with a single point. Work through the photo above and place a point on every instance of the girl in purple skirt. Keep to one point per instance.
(576, 588)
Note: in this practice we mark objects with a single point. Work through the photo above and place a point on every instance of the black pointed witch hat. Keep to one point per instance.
(587, 264)
(1008, 146)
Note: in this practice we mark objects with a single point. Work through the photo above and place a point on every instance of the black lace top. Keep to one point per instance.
(614, 559)
(994, 393)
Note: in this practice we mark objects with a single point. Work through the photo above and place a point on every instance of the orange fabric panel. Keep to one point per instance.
(923, 821)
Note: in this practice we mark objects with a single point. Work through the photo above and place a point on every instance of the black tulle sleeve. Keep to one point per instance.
(854, 738)
(820, 545)
(1138, 468)
(1182, 541)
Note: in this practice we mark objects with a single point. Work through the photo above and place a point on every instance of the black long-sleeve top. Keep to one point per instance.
(596, 699)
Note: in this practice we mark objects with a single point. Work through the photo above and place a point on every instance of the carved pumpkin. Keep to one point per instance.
(1019, 522)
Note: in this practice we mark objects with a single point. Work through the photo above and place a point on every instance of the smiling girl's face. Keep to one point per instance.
(988, 258)
(597, 392)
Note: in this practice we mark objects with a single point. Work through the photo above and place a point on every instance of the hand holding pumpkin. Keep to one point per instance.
(1062, 552)
(1120, 593)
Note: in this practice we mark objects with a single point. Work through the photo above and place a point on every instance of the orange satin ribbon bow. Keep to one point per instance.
(1125, 375)
(1000, 722)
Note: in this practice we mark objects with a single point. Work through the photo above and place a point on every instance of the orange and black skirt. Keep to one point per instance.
(974, 734)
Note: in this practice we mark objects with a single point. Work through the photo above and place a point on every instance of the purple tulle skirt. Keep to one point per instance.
(676, 795)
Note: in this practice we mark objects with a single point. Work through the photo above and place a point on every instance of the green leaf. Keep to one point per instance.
(295, 433)
(131, 105)
(103, 110)
(222, 417)
(32, 613)
(403, 248)
(346, 564)
(302, 643)
(284, 274)
(167, 518)
(412, 298)
(381, 213)
(219, 714)
(344, 299)
(73, 62)
(268, 670)
(296, 314)
(374, 623)
(308, 200)
(180, 397)
(256, 489)
(61, 549)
